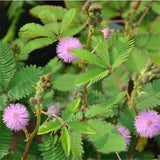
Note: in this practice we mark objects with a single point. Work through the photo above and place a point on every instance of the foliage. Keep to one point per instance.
(116, 75)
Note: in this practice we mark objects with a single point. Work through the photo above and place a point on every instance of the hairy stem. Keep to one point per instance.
(133, 148)
(31, 136)
(110, 69)
(144, 14)
(54, 116)
(119, 158)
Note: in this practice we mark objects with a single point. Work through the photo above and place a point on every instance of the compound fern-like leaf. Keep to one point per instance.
(7, 65)
(150, 96)
(24, 82)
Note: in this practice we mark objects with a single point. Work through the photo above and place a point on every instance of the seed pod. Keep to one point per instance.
(33, 101)
(135, 76)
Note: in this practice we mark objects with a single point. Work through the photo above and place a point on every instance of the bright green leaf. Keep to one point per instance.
(82, 127)
(65, 139)
(52, 125)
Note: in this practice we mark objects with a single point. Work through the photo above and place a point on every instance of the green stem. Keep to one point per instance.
(31, 136)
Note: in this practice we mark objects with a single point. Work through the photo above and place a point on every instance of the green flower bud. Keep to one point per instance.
(135, 76)
(145, 78)
(149, 65)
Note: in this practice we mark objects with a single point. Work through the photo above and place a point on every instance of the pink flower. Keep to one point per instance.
(148, 123)
(106, 33)
(16, 116)
(126, 134)
(64, 47)
(54, 109)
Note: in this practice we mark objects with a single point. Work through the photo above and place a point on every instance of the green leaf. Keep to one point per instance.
(127, 117)
(65, 139)
(50, 126)
(148, 42)
(121, 51)
(155, 25)
(107, 139)
(56, 10)
(73, 30)
(24, 82)
(88, 57)
(3, 101)
(37, 44)
(76, 144)
(100, 46)
(97, 110)
(156, 7)
(7, 65)
(136, 61)
(68, 18)
(51, 148)
(150, 95)
(92, 76)
(110, 86)
(95, 97)
(53, 66)
(83, 127)
(5, 138)
(33, 30)
(71, 108)
(65, 82)
(155, 58)
(74, 4)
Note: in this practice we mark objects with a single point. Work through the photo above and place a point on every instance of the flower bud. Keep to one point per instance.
(33, 101)
(123, 87)
(135, 4)
(149, 65)
(79, 95)
(106, 33)
(145, 78)
(135, 76)
(40, 99)
(91, 21)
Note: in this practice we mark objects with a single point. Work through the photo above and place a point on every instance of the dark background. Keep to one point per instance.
(39, 57)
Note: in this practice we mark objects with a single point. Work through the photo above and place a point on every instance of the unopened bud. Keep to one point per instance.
(135, 4)
(40, 99)
(145, 78)
(48, 84)
(48, 76)
(91, 21)
(123, 87)
(79, 95)
(33, 101)
(135, 76)
(150, 64)
(43, 85)
(95, 7)
(106, 33)
(156, 70)
(42, 79)
(86, 6)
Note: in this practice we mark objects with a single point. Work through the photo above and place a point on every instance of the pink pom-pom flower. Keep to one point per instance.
(106, 33)
(64, 47)
(54, 109)
(126, 134)
(147, 123)
(16, 116)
